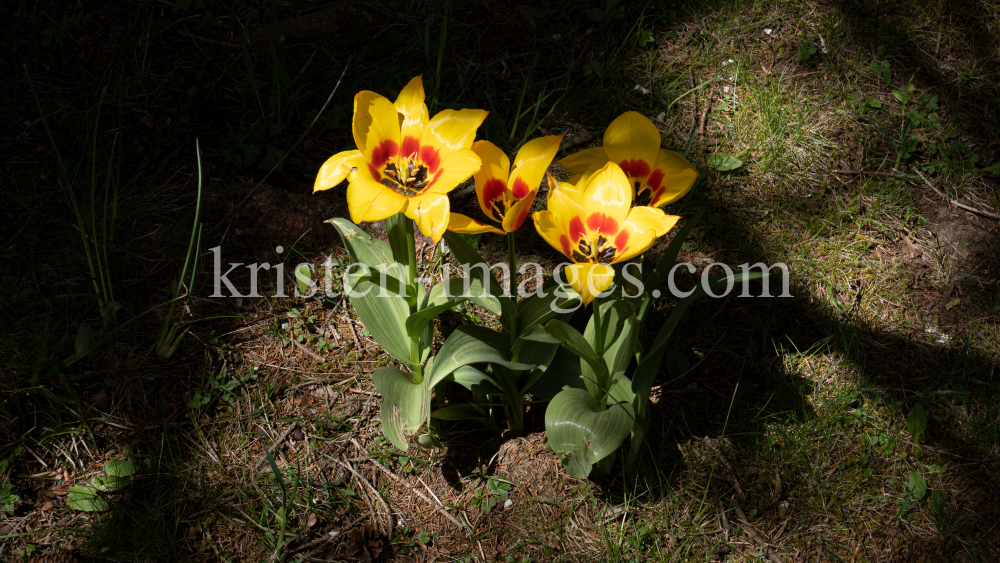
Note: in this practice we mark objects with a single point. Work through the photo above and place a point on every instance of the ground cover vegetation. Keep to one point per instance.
(144, 420)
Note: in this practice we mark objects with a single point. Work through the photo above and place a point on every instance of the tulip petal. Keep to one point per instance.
(672, 178)
(413, 114)
(531, 163)
(589, 280)
(337, 168)
(633, 142)
(452, 130)
(607, 197)
(548, 226)
(466, 225)
(491, 180)
(430, 211)
(651, 219)
(376, 128)
(368, 200)
(518, 212)
(456, 168)
(587, 160)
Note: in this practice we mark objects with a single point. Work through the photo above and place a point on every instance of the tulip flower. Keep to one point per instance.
(657, 176)
(594, 224)
(404, 162)
(506, 193)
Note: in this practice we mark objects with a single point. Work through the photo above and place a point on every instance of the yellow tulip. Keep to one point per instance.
(657, 176)
(404, 162)
(594, 224)
(505, 193)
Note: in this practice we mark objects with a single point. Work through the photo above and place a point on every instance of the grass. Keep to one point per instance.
(780, 429)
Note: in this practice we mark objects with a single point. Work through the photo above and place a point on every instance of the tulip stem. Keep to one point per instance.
(411, 292)
(599, 347)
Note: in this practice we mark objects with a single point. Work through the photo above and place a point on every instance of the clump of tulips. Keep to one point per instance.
(603, 219)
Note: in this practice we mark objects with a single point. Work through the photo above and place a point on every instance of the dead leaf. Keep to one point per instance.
(101, 400)
(48, 505)
(953, 303)
(312, 520)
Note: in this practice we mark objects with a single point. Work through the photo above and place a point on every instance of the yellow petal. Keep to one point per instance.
(459, 223)
(607, 197)
(491, 180)
(633, 142)
(368, 200)
(337, 168)
(430, 212)
(531, 163)
(651, 219)
(638, 233)
(518, 212)
(452, 130)
(590, 280)
(585, 161)
(376, 128)
(550, 229)
(672, 178)
(413, 115)
(456, 168)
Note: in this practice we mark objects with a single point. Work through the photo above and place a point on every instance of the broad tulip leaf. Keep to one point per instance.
(461, 412)
(593, 370)
(619, 332)
(466, 255)
(400, 241)
(580, 433)
(475, 380)
(382, 313)
(119, 468)
(658, 276)
(539, 309)
(405, 405)
(471, 344)
(724, 162)
(445, 295)
(110, 483)
(86, 498)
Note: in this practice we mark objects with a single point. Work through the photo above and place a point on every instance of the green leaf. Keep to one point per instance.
(110, 483)
(86, 499)
(539, 309)
(619, 333)
(462, 412)
(580, 433)
(84, 339)
(724, 162)
(303, 277)
(901, 96)
(917, 485)
(399, 231)
(405, 405)
(119, 468)
(438, 301)
(658, 276)
(995, 169)
(382, 313)
(916, 421)
(471, 344)
(466, 255)
(474, 380)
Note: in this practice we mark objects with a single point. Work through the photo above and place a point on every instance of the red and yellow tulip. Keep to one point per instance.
(505, 194)
(594, 224)
(405, 161)
(657, 176)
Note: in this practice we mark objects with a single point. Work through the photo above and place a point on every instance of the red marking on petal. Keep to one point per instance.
(654, 180)
(383, 152)
(564, 241)
(432, 182)
(599, 222)
(430, 157)
(520, 188)
(493, 190)
(635, 168)
(576, 230)
(411, 145)
(376, 175)
(522, 215)
(621, 243)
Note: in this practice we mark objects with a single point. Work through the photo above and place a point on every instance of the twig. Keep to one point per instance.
(305, 66)
(373, 489)
(274, 446)
(15, 529)
(955, 202)
(212, 41)
(704, 115)
(354, 333)
(439, 507)
(246, 198)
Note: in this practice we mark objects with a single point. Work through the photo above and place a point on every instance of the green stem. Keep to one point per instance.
(411, 291)
(599, 346)
(512, 284)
